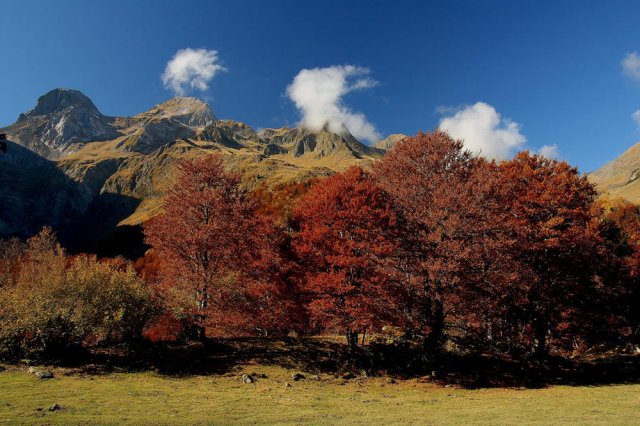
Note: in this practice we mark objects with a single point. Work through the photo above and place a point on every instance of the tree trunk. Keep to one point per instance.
(540, 331)
(352, 341)
(197, 331)
(435, 340)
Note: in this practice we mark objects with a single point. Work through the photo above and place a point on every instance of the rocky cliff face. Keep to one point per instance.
(34, 193)
(99, 175)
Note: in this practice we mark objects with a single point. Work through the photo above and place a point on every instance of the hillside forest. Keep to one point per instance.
(442, 250)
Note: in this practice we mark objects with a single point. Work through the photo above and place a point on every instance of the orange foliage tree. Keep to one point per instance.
(348, 237)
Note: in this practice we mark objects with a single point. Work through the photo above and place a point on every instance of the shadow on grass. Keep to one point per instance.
(327, 356)
(213, 357)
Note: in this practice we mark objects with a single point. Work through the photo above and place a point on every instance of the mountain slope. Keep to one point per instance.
(620, 177)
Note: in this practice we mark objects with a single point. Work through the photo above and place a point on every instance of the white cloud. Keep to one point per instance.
(191, 69)
(631, 65)
(550, 151)
(318, 94)
(484, 131)
(636, 117)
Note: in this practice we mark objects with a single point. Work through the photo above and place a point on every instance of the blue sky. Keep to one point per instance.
(553, 68)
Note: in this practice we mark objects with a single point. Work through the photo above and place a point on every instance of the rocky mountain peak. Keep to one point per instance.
(189, 111)
(61, 120)
(301, 141)
(59, 100)
(390, 141)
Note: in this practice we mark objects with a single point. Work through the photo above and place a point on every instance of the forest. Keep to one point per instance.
(432, 251)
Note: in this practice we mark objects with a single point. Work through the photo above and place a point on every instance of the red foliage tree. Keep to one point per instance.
(278, 202)
(348, 235)
(215, 252)
(561, 253)
(622, 233)
(459, 258)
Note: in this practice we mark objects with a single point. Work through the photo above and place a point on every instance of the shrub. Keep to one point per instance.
(55, 302)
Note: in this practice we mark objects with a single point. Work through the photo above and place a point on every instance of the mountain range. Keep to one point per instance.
(96, 178)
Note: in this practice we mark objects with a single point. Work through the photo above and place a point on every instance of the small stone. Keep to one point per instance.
(55, 407)
(314, 377)
(297, 376)
(287, 385)
(44, 374)
(348, 376)
(391, 380)
(246, 378)
(31, 370)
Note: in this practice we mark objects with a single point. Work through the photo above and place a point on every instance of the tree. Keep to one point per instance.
(269, 302)
(10, 252)
(621, 229)
(348, 235)
(211, 244)
(278, 202)
(561, 254)
(450, 199)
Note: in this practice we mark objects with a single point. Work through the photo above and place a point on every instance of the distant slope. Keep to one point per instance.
(390, 141)
(620, 177)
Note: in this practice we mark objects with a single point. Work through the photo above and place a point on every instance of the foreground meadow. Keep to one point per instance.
(152, 398)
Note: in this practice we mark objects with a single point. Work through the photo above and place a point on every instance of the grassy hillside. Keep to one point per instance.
(619, 178)
(146, 398)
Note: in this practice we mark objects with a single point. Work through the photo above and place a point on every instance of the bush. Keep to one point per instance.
(54, 302)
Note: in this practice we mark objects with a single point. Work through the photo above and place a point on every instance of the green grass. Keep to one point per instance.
(150, 398)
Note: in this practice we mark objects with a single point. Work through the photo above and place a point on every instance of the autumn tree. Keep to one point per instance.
(561, 253)
(450, 200)
(348, 236)
(211, 245)
(621, 226)
(278, 202)
(269, 301)
(10, 252)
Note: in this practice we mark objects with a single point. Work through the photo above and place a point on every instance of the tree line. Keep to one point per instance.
(518, 257)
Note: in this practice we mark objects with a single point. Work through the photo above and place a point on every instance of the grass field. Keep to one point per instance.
(151, 398)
